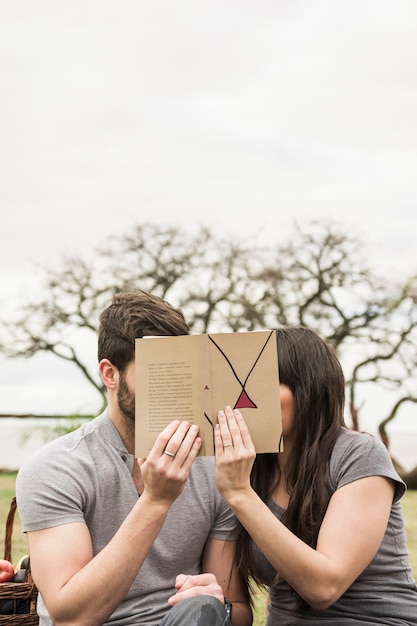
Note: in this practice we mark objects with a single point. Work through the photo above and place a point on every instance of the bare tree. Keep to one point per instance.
(318, 279)
(321, 280)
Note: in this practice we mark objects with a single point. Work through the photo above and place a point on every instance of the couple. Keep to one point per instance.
(121, 541)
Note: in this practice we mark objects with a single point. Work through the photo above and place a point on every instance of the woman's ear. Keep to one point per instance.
(109, 374)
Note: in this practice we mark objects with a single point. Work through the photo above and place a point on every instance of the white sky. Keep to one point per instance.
(243, 115)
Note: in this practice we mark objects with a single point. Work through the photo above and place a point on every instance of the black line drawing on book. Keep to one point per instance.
(243, 401)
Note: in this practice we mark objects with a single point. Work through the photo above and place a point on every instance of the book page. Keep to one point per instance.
(244, 375)
(168, 385)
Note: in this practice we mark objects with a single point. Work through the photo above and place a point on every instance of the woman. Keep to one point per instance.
(321, 521)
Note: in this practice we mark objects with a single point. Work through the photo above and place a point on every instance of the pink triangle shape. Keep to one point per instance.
(244, 402)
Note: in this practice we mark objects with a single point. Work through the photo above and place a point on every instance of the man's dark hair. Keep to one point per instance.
(134, 315)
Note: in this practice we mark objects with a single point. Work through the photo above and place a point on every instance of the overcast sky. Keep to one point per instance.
(243, 115)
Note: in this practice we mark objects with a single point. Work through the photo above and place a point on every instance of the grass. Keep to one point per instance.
(19, 543)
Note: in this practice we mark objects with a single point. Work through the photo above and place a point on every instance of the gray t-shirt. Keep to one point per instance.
(87, 475)
(385, 592)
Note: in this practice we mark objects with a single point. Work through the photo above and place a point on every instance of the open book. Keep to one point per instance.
(192, 377)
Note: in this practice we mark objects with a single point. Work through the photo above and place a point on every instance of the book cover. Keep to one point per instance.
(192, 377)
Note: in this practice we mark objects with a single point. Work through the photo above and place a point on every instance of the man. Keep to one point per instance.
(121, 541)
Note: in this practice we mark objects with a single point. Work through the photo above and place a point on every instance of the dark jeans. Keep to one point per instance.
(197, 611)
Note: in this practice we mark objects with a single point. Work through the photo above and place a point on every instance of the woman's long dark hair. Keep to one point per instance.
(309, 367)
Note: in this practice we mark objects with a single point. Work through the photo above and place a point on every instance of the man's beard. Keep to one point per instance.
(126, 399)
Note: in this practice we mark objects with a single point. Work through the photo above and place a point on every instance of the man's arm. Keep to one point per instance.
(219, 579)
(80, 589)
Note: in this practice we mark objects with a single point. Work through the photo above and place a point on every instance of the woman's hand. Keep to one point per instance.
(234, 452)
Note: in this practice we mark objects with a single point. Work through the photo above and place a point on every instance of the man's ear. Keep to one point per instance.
(109, 374)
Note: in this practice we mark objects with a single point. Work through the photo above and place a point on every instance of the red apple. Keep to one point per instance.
(6, 571)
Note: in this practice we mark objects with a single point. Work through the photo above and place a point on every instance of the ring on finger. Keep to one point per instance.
(171, 454)
(227, 445)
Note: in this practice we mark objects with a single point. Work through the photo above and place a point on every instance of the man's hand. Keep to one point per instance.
(166, 468)
(198, 585)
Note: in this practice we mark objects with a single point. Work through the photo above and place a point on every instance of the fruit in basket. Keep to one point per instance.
(19, 576)
(14, 607)
(20, 569)
(6, 571)
(23, 563)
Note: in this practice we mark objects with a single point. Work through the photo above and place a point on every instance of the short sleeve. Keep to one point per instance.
(359, 455)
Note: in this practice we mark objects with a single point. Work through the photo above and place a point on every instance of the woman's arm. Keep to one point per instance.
(219, 579)
(351, 532)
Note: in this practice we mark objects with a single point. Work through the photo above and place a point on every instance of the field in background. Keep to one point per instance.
(19, 544)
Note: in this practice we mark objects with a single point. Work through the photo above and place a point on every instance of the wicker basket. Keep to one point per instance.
(18, 599)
